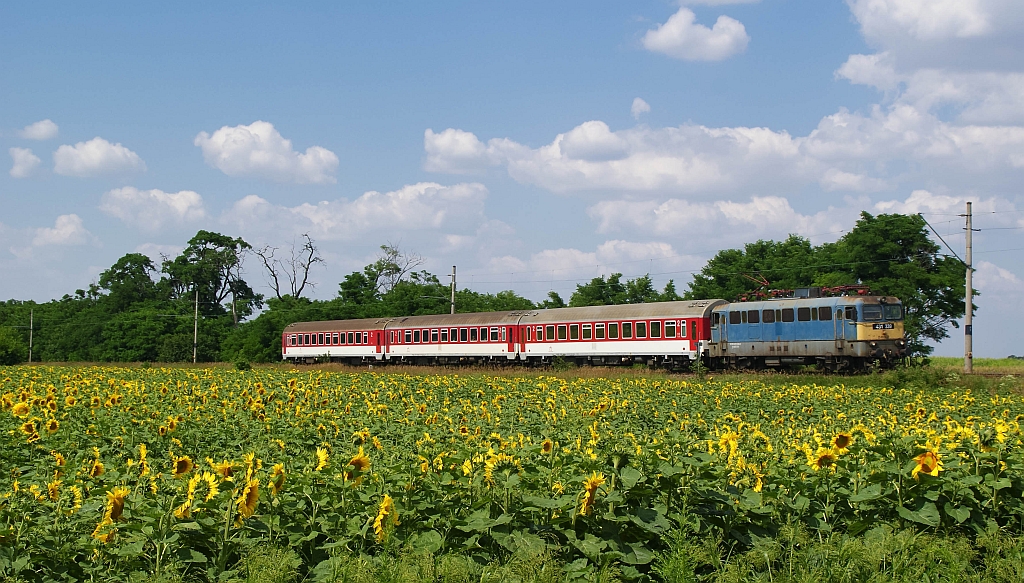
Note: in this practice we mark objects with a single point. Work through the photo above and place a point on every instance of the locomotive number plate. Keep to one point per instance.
(886, 326)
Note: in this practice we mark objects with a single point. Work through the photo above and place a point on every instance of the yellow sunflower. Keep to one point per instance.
(321, 458)
(385, 510)
(182, 465)
(927, 463)
(590, 486)
(115, 503)
(247, 500)
(21, 409)
(546, 446)
(841, 442)
(824, 458)
(276, 479)
(52, 425)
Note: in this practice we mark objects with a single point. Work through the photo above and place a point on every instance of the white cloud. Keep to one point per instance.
(682, 38)
(41, 130)
(728, 222)
(927, 203)
(97, 156)
(152, 209)
(25, 162)
(259, 150)
(423, 206)
(157, 252)
(876, 70)
(456, 152)
(639, 108)
(922, 19)
(835, 179)
(67, 230)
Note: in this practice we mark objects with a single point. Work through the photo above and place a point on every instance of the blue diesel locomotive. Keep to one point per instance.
(835, 333)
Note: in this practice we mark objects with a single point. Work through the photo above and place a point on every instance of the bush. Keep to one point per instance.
(12, 347)
(242, 364)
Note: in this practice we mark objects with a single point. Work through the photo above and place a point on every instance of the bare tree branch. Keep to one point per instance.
(393, 265)
(295, 269)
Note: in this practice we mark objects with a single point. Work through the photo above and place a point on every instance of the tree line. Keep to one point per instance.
(139, 311)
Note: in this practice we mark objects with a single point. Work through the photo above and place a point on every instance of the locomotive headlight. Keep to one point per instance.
(874, 345)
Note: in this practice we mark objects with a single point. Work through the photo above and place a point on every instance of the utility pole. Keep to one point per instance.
(31, 319)
(453, 289)
(969, 303)
(195, 327)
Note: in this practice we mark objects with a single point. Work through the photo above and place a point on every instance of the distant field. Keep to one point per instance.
(1009, 365)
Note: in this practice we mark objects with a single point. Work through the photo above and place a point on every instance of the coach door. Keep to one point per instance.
(513, 339)
(377, 335)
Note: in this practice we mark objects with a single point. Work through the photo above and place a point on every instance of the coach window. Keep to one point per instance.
(453, 334)
(735, 318)
(549, 334)
(408, 337)
(561, 331)
(433, 335)
(351, 338)
(586, 331)
(682, 328)
(472, 334)
(787, 314)
(627, 330)
(504, 338)
(768, 316)
(670, 329)
(292, 340)
(529, 333)
(360, 337)
(613, 330)
(494, 334)
(366, 337)
(655, 329)
(574, 331)
(336, 342)
(308, 341)
(803, 314)
(483, 334)
(463, 334)
(416, 336)
(599, 331)
(641, 329)
(753, 317)
(444, 335)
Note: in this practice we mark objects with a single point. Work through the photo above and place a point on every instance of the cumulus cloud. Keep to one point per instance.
(922, 19)
(67, 230)
(95, 157)
(259, 150)
(681, 37)
(41, 130)
(25, 162)
(639, 108)
(153, 209)
(456, 152)
(421, 206)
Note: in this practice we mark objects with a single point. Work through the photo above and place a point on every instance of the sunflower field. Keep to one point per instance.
(112, 472)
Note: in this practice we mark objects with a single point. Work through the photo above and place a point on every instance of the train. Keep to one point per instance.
(841, 333)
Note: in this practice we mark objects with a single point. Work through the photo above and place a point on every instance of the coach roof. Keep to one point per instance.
(656, 310)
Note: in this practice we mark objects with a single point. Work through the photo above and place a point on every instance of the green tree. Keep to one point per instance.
(893, 255)
(212, 265)
(554, 301)
(733, 272)
(129, 281)
(12, 347)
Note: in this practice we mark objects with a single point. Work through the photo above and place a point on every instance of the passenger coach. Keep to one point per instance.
(666, 333)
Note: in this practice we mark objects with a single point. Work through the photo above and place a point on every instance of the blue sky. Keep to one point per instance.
(535, 145)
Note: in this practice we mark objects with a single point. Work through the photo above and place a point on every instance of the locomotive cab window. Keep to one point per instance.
(768, 316)
(735, 318)
(550, 333)
(641, 329)
(472, 334)
(561, 331)
(613, 331)
(851, 313)
(872, 312)
(803, 314)
(627, 330)
(753, 317)
(587, 332)
(655, 329)
(787, 314)
(599, 331)
(714, 319)
(670, 329)
(444, 335)
(574, 331)
(825, 313)
(893, 311)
